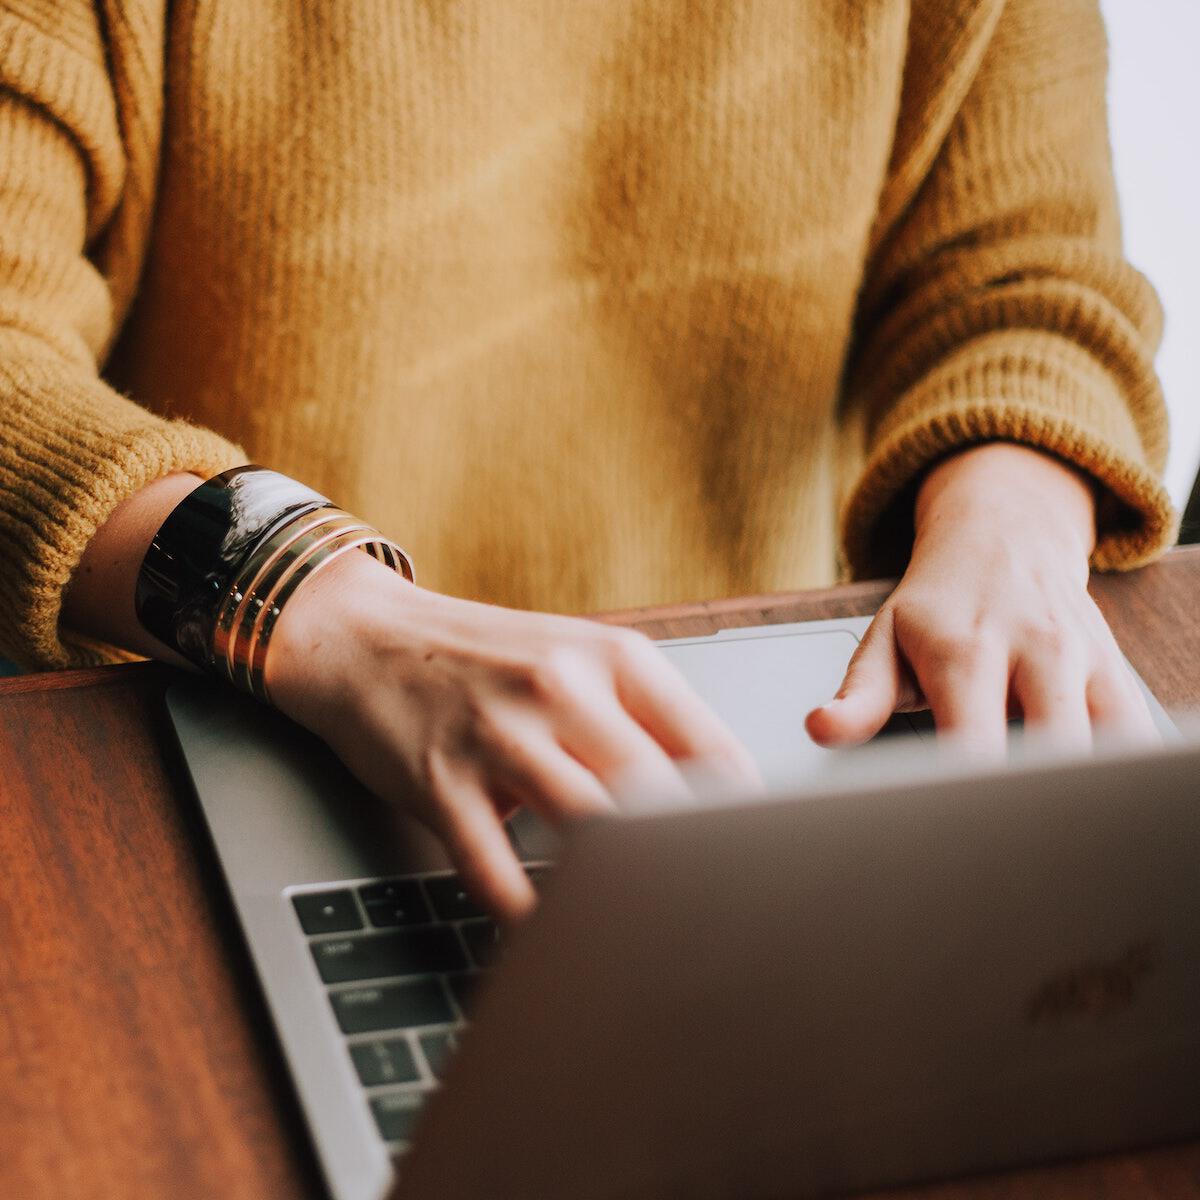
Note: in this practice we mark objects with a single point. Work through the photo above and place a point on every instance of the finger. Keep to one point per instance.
(606, 740)
(870, 691)
(1115, 702)
(1052, 692)
(660, 699)
(966, 683)
(535, 770)
(478, 844)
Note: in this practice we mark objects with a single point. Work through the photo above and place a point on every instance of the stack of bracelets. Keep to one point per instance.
(230, 556)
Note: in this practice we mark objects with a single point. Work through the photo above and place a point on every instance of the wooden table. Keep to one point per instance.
(136, 1058)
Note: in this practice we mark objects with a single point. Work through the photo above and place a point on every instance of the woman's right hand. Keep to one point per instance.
(464, 711)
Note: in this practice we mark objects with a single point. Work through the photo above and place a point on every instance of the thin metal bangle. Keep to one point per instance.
(272, 562)
(271, 588)
(260, 638)
(261, 594)
(242, 592)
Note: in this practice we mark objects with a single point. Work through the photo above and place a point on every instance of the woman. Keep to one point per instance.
(590, 306)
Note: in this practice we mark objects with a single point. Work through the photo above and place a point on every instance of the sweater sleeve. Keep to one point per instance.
(997, 303)
(71, 448)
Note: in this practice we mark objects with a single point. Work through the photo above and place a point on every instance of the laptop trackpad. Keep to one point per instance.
(763, 686)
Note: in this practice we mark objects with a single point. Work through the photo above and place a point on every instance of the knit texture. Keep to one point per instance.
(588, 305)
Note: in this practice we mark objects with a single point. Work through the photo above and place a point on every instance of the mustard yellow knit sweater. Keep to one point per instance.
(588, 304)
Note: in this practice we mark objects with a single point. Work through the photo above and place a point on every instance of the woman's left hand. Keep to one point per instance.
(993, 616)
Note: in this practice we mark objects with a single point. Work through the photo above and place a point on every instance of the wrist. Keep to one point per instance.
(99, 599)
(228, 559)
(328, 634)
(1005, 486)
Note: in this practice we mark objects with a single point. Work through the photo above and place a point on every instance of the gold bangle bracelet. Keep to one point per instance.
(273, 573)
(256, 650)
(261, 570)
(269, 586)
(278, 585)
(245, 591)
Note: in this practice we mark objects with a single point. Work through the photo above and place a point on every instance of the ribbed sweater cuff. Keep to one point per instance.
(72, 450)
(1035, 388)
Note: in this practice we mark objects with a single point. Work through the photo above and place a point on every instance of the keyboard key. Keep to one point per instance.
(396, 1115)
(391, 1006)
(464, 987)
(437, 1048)
(483, 941)
(385, 1061)
(327, 912)
(395, 902)
(385, 913)
(450, 899)
(388, 889)
(427, 951)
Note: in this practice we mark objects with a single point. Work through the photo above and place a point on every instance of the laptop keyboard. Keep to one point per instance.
(400, 959)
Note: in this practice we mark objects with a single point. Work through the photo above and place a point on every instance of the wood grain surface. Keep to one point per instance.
(136, 1057)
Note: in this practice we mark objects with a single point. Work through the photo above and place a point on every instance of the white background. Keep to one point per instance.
(1154, 105)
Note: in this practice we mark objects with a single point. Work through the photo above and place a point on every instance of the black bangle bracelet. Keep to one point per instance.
(200, 548)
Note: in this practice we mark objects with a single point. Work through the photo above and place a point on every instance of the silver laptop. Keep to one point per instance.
(889, 969)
